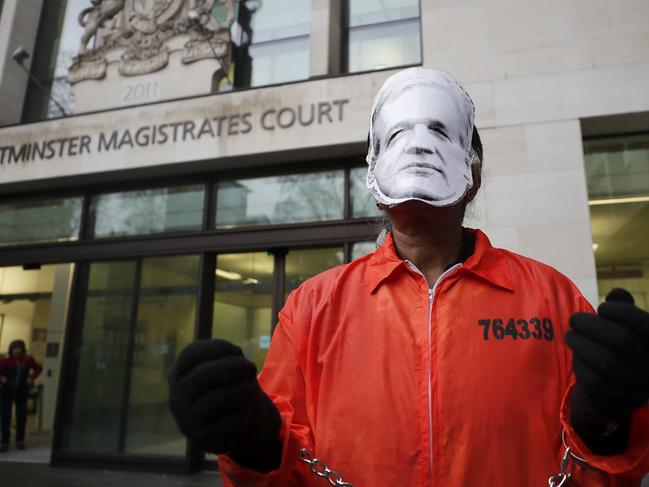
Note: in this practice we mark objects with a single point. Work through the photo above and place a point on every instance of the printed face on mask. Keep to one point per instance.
(420, 135)
(420, 145)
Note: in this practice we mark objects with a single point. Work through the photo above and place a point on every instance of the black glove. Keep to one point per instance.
(218, 404)
(611, 365)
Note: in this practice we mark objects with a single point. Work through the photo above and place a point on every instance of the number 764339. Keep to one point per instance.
(517, 329)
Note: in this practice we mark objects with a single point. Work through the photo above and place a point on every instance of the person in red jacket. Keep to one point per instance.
(437, 360)
(17, 372)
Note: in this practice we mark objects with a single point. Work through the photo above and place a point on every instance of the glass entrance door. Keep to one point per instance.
(136, 316)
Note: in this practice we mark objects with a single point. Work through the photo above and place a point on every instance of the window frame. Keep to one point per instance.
(242, 237)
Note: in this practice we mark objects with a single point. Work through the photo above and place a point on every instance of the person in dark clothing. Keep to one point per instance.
(17, 373)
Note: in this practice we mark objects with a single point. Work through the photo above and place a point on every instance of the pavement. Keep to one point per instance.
(30, 468)
(23, 474)
(38, 450)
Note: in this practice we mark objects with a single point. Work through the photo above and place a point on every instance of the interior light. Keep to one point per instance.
(230, 276)
(250, 280)
(624, 199)
(595, 246)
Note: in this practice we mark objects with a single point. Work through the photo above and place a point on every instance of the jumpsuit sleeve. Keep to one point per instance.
(282, 379)
(622, 470)
(36, 367)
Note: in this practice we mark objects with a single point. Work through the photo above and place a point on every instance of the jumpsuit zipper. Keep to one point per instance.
(430, 382)
(431, 298)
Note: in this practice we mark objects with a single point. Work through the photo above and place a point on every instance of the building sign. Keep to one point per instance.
(322, 113)
(215, 127)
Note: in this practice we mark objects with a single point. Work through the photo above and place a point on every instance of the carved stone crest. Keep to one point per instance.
(142, 30)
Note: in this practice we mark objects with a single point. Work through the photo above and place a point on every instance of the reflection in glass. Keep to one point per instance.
(306, 263)
(243, 302)
(165, 325)
(383, 34)
(40, 220)
(280, 199)
(617, 173)
(362, 201)
(94, 423)
(220, 13)
(271, 42)
(148, 211)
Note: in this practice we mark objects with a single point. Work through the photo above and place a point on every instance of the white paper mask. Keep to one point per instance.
(420, 139)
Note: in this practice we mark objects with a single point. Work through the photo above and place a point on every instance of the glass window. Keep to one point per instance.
(166, 316)
(382, 34)
(46, 220)
(280, 199)
(243, 302)
(362, 201)
(271, 42)
(148, 211)
(57, 43)
(306, 263)
(94, 422)
(617, 170)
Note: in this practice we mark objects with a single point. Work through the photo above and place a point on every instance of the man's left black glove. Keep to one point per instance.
(218, 404)
(611, 365)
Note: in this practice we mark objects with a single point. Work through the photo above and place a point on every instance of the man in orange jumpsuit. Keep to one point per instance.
(437, 360)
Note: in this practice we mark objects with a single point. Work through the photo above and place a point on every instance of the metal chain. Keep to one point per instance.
(562, 477)
(321, 470)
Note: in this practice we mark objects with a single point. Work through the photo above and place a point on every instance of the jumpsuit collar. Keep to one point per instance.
(481, 260)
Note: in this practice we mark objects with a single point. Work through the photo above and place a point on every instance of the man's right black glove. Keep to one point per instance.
(611, 365)
(218, 404)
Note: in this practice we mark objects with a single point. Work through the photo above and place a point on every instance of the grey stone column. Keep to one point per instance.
(325, 40)
(18, 27)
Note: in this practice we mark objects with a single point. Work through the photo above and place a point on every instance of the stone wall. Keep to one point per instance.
(535, 70)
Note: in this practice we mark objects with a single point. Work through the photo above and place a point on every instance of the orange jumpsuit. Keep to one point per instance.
(392, 383)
